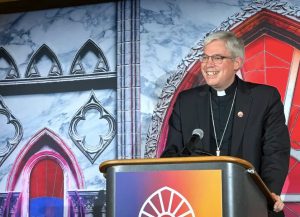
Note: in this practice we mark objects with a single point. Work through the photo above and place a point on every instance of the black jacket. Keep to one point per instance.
(260, 136)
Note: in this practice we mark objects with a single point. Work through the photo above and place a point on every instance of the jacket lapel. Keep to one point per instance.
(242, 109)
(203, 116)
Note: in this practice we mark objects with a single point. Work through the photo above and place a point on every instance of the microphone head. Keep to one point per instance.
(198, 132)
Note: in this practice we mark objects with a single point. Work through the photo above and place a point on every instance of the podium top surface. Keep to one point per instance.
(174, 160)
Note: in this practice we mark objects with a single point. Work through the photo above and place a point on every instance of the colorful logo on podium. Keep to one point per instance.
(170, 193)
(166, 202)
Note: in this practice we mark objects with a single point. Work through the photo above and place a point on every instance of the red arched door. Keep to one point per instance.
(46, 189)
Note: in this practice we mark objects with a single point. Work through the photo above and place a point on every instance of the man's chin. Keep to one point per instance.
(211, 83)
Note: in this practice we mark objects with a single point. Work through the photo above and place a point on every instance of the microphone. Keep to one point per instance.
(191, 149)
(174, 151)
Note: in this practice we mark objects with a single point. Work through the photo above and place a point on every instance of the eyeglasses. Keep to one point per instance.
(216, 59)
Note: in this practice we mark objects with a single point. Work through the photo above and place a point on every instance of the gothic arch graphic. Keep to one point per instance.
(89, 46)
(12, 71)
(32, 70)
(44, 146)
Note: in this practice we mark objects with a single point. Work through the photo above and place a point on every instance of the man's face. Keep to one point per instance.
(219, 75)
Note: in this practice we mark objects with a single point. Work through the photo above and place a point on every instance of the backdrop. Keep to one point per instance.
(81, 85)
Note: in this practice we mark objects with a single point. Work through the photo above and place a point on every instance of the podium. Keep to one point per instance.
(206, 186)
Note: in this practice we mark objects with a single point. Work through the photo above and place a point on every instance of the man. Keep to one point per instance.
(238, 118)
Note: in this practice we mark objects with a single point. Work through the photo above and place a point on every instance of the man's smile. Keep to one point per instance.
(211, 73)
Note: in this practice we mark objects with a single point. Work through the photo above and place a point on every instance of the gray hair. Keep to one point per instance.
(233, 44)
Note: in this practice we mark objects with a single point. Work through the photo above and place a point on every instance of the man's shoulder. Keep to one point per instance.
(259, 88)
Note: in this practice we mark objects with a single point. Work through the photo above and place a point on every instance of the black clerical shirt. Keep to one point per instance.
(221, 108)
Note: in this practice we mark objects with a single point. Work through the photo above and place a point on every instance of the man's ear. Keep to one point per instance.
(238, 63)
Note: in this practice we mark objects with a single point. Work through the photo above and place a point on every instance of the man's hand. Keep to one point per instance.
(278, 206)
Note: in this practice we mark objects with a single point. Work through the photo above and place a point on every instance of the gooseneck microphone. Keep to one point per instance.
(192, 147)
(197, 135)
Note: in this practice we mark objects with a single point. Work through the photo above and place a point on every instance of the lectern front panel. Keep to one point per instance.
(209, 189)
(187, 193)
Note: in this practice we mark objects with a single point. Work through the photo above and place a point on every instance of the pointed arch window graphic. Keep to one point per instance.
(46, 191)
(43, 54)
(166, 202)
(10, 67)
(92, 151)
(80, 65)
(45, 167)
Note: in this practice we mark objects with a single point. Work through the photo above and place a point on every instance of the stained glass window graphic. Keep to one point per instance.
(267, 63)
(46, 189)
(166, 202)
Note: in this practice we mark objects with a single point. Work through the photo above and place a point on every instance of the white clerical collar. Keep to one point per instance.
(221, 92)
(228, 91)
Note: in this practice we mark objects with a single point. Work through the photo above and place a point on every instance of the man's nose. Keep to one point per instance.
(210, 62)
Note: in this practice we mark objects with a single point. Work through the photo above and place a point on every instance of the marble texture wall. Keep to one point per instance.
(64, 31)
